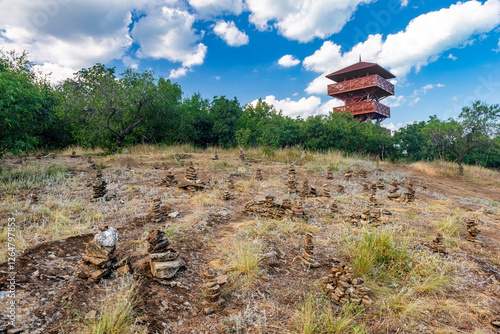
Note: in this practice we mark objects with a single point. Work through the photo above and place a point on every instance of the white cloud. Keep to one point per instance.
(168, 33)
(62, 37)
(217, 7)
(303, 20)
(303, 107)
(404, 3)
(415, 101)
(422, 41)
(288, 61)
(178, 73)
(230, 33)
(394, 101)
(55, 72)
(393, 127)
(498, 48)
(130, 63)
(452, 57)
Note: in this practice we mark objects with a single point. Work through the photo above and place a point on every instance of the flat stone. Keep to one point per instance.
(222, 279)
(97, 261)
(162, 257)
(94, 249)
(166, 269)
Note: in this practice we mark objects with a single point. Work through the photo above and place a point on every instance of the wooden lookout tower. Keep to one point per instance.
(362, 86)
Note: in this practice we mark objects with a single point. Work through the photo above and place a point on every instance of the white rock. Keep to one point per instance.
(107, 238)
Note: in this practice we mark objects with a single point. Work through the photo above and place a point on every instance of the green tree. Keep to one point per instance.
(105, 110)
(26, 104)
(225, 114)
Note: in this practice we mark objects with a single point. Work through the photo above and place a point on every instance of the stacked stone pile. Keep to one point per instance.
(242, 155)
(326, 191)
(373, 201)
(329, 174)
(380, 184)
(366, 188)
(307, 256)
(437, 245)
(297, 209)
(74, 155)
(157, 212)
(164, 165)
(292, 182)
(169, 180)
(334, 209)
(348, 174)
(226, 196)
(34, 198)
(355, 219)
(191, 175)
(363, 173)
(99, 187)
(163, 259)
(305, 189)
(409, 194)
(472, 230)
(212, 293)
(216, 157)
(230, 183)
(99, 256)
(340, 189)
(258, 174)
(342, 287)
(393, 193)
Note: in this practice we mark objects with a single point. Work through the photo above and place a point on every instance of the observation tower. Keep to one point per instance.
(362, 86)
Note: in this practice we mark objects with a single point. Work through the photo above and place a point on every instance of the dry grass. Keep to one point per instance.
(244, 260)
(472, 174)
(117, 314)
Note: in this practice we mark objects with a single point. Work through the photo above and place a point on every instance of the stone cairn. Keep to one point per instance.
(92, 163)
(380, 184)
(342, 287)
(348, 174)
(212, 293)
(39, 155)
(307, 256)
(472, 230)
(393, 191)
(74, 155)
(157, 211)
(355, 219)
(230, 183)
(258, 174)
(363, 173)
(305, 189)
(163, 259)
(216, 157)
(326, 191)
(99, 188)
(373, 200)
(334, 209)
(99, 255)
(226, 195)
(409, 194)
(34, 198)
(292, 182)
(191, 173)
(437, 245)
(340, 189)
(329, 174)
(169, 180)
(156, 165)
(366, 188)
(164, 165)
(242, 155)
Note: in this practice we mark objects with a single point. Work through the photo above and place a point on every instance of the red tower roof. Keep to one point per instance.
(360, 69)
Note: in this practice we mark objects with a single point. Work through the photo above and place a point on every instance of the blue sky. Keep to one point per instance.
(445, 54)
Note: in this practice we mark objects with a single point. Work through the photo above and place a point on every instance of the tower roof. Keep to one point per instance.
(360, 69)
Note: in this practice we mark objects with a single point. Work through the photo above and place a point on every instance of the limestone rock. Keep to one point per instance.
(107, 237)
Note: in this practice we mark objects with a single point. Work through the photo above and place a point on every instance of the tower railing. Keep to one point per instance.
(369, 81)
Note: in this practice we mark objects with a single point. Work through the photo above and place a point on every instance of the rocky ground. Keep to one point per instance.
(413, 289)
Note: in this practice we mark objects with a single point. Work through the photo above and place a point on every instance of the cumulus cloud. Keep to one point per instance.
(230, 33)
(404, 3)
(422, 41)
(94, 31)
(394, 101)
(178, 73)
(303, 20)
(452, 57)
(217, 7)
(288, 61)
(56, 73)
(303, 107)
(130, 63)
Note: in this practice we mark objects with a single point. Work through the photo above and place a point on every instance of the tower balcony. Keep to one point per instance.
(378, 85)
(376, 109)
